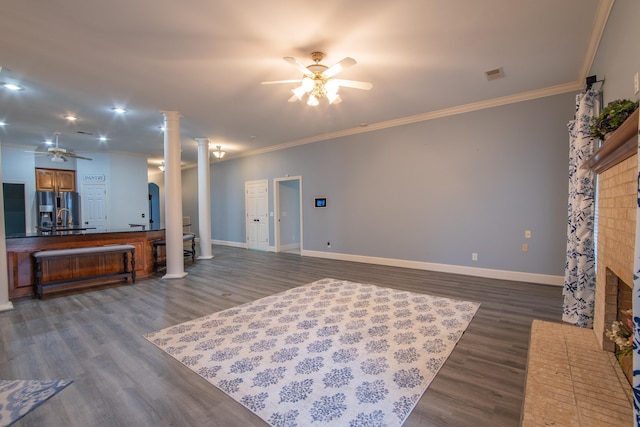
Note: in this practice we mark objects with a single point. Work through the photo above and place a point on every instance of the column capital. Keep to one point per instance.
(202, 141)
(171, 114)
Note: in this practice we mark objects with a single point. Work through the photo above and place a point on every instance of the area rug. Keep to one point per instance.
(19, 397)
(331, 352)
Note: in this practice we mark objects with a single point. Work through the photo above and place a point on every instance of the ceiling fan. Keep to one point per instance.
(318, 80)
(59, 155)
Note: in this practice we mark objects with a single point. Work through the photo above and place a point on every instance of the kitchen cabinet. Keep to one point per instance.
(55, 180)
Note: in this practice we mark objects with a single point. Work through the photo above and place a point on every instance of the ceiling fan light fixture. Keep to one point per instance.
(331, 87)
(317, 80)
(299, 92)
(333, 98)
(312, 101)
(307, 84)
(57, 159)
(218, 153)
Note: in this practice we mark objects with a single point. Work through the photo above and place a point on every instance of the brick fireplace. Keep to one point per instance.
(617, 210)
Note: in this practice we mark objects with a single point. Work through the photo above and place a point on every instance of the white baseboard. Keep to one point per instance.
(289, 247)
(517, 276)
(228, 243)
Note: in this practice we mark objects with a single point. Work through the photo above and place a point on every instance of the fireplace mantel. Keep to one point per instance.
(619, 145)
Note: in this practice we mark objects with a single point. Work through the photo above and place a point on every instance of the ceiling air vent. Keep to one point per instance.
(494, 74)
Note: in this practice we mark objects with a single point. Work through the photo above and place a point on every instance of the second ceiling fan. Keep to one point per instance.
(318, 80)
(59, 154)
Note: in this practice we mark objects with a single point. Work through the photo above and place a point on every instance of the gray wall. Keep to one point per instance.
(618, 57)
(434, 191)
(439, 190)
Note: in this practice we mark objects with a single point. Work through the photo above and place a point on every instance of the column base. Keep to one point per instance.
(6, 306)
(175, 275)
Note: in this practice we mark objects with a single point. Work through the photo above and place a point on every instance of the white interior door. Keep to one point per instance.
(257, 214)
(94, 206)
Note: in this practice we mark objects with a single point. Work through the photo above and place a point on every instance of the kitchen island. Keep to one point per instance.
(21, 264)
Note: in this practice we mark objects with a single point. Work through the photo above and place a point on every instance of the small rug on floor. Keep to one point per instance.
(331, 352)
(19, 397)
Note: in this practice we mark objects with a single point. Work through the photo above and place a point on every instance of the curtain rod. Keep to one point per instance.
(590, 81)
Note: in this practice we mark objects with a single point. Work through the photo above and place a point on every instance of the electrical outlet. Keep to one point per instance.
(527, 234)
(474, 256)
(525, 247)
(636, 89)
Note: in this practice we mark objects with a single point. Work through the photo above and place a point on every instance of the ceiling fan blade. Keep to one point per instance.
(280, 81)
(293, 61)
(354, 84)
(336, 68)
(75, 156)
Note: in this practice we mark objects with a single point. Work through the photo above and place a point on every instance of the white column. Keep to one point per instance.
(204, 199)
(173, 196)
(5, 304)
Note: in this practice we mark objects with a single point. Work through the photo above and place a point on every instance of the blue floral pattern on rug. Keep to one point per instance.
(19, 397)
(331, 352)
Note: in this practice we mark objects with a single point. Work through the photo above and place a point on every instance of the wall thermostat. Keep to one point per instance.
(320, 202)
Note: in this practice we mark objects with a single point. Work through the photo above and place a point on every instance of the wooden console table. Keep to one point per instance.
(71, 255)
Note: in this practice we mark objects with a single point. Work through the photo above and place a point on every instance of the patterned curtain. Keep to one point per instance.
(636, 309)
(580, 272)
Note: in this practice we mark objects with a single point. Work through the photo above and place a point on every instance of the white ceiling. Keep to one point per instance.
(206, 59)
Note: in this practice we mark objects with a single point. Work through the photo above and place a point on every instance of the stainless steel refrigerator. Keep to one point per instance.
(60, 209)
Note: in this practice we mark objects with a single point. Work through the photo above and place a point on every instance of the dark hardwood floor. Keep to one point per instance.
(120, 379)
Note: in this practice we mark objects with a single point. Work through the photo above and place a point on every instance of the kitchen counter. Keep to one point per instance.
(20, 248)
(75, 230)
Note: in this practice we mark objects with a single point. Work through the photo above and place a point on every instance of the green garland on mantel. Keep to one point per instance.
(611, 117)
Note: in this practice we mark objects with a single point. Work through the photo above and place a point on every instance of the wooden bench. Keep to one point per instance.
(186, 237)
(127, 251)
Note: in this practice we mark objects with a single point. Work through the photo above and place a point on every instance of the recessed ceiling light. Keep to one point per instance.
(103, 139)
(3, 123)
(71, 117)
(119, 110)
(48, 142)
(12, 86)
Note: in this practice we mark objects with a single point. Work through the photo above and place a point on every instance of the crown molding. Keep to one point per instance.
(446, 112)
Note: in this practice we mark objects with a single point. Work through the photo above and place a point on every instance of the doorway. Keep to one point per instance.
(14, 209)
(154, 204)
(257, 214)
(287, 203)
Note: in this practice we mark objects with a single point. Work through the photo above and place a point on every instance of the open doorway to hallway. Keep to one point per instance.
(288, 214)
